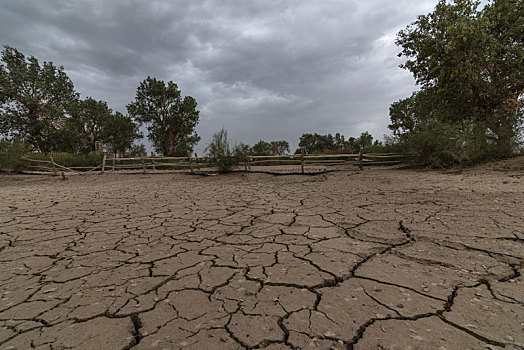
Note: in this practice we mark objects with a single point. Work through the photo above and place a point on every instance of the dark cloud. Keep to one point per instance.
(261, 69)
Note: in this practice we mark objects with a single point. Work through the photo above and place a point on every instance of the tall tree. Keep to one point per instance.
(34, 98)
(261, 148)
(118, 132)
(280, 147)
(471, 61)
(84, 126)
(171, 120)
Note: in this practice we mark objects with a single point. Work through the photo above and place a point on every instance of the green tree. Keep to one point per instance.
(171, 120)
(240, 150)
(34, 98)
(136, 150)
(468, 62)
(84, 126)
(118, 133)
(364, 140)
(261, 148)
(280, 147)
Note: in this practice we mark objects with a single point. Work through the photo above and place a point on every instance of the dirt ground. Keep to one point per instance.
(374, 259)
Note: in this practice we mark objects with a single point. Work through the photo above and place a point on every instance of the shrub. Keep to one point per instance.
(440, 145)
(219, 150)
(11, 154)
(71, 159)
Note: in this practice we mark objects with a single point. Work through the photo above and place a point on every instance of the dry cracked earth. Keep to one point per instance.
(379, 259)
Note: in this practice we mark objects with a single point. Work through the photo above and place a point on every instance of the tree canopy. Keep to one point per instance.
(315, 143)
(39, 106)
(34, 99)
(264, 148)
(171, 120)
(469, 64)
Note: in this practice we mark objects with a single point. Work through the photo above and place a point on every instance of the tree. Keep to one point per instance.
(118, 133)
(171, 120)
(84, 126)
(34, 98)
(364, 140)
(469, 65)
(261, 148)
(93, 121)
(240, 150)
(280, 147)
(315, 143)
(136, 150)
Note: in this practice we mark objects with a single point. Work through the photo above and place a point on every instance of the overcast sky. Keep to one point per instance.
(263, 69)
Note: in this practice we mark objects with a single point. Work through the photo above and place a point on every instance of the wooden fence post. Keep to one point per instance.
(196, 161)
(361, 159)
(153, 160)
(302, 160)
(53, 164)
(114, 160)
(104, 163)
(189, 159)
(143, 164)
(246, 160)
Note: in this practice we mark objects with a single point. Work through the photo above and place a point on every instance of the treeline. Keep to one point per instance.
(40, 108)
(314, 144)
(226, 156)
(469, 63)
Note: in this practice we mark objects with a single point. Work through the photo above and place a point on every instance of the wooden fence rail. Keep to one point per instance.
(192, 163)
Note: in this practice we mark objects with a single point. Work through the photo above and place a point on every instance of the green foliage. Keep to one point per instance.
(84, 126)
(118, 133)
(468, 62)
(34, 98)
(240, 151)
(171, 119)
(136, 151)
(315, 143)
(220, 152)
(11, 154)
(280, 147)
(261, 148)
(71, 159)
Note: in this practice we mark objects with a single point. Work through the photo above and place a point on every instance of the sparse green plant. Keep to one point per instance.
(220, 152)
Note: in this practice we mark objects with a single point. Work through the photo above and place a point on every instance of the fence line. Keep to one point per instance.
(191, 162)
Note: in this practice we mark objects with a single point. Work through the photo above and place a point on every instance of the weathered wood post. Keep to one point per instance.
(189, 159)
(361, 159)
(153, 160)
(302, 160)
(53, 164)
(143, 163)
(114, 160)
(196, 161)
(246, 159)
(104, 163)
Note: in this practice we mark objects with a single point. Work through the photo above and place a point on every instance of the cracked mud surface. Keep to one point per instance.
(379, 259)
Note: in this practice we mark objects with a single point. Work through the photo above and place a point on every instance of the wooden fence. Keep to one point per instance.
(194, 163)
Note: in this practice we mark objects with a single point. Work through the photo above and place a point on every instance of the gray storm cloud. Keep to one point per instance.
(261, 69)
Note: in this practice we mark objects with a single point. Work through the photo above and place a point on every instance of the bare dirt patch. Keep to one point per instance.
(378, 259)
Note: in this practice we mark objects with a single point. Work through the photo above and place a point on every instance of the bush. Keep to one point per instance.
(219, 150)
(11, 154)
(71, 159)
(442, 145)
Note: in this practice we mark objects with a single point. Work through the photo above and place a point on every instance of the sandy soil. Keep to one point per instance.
(378, 259)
